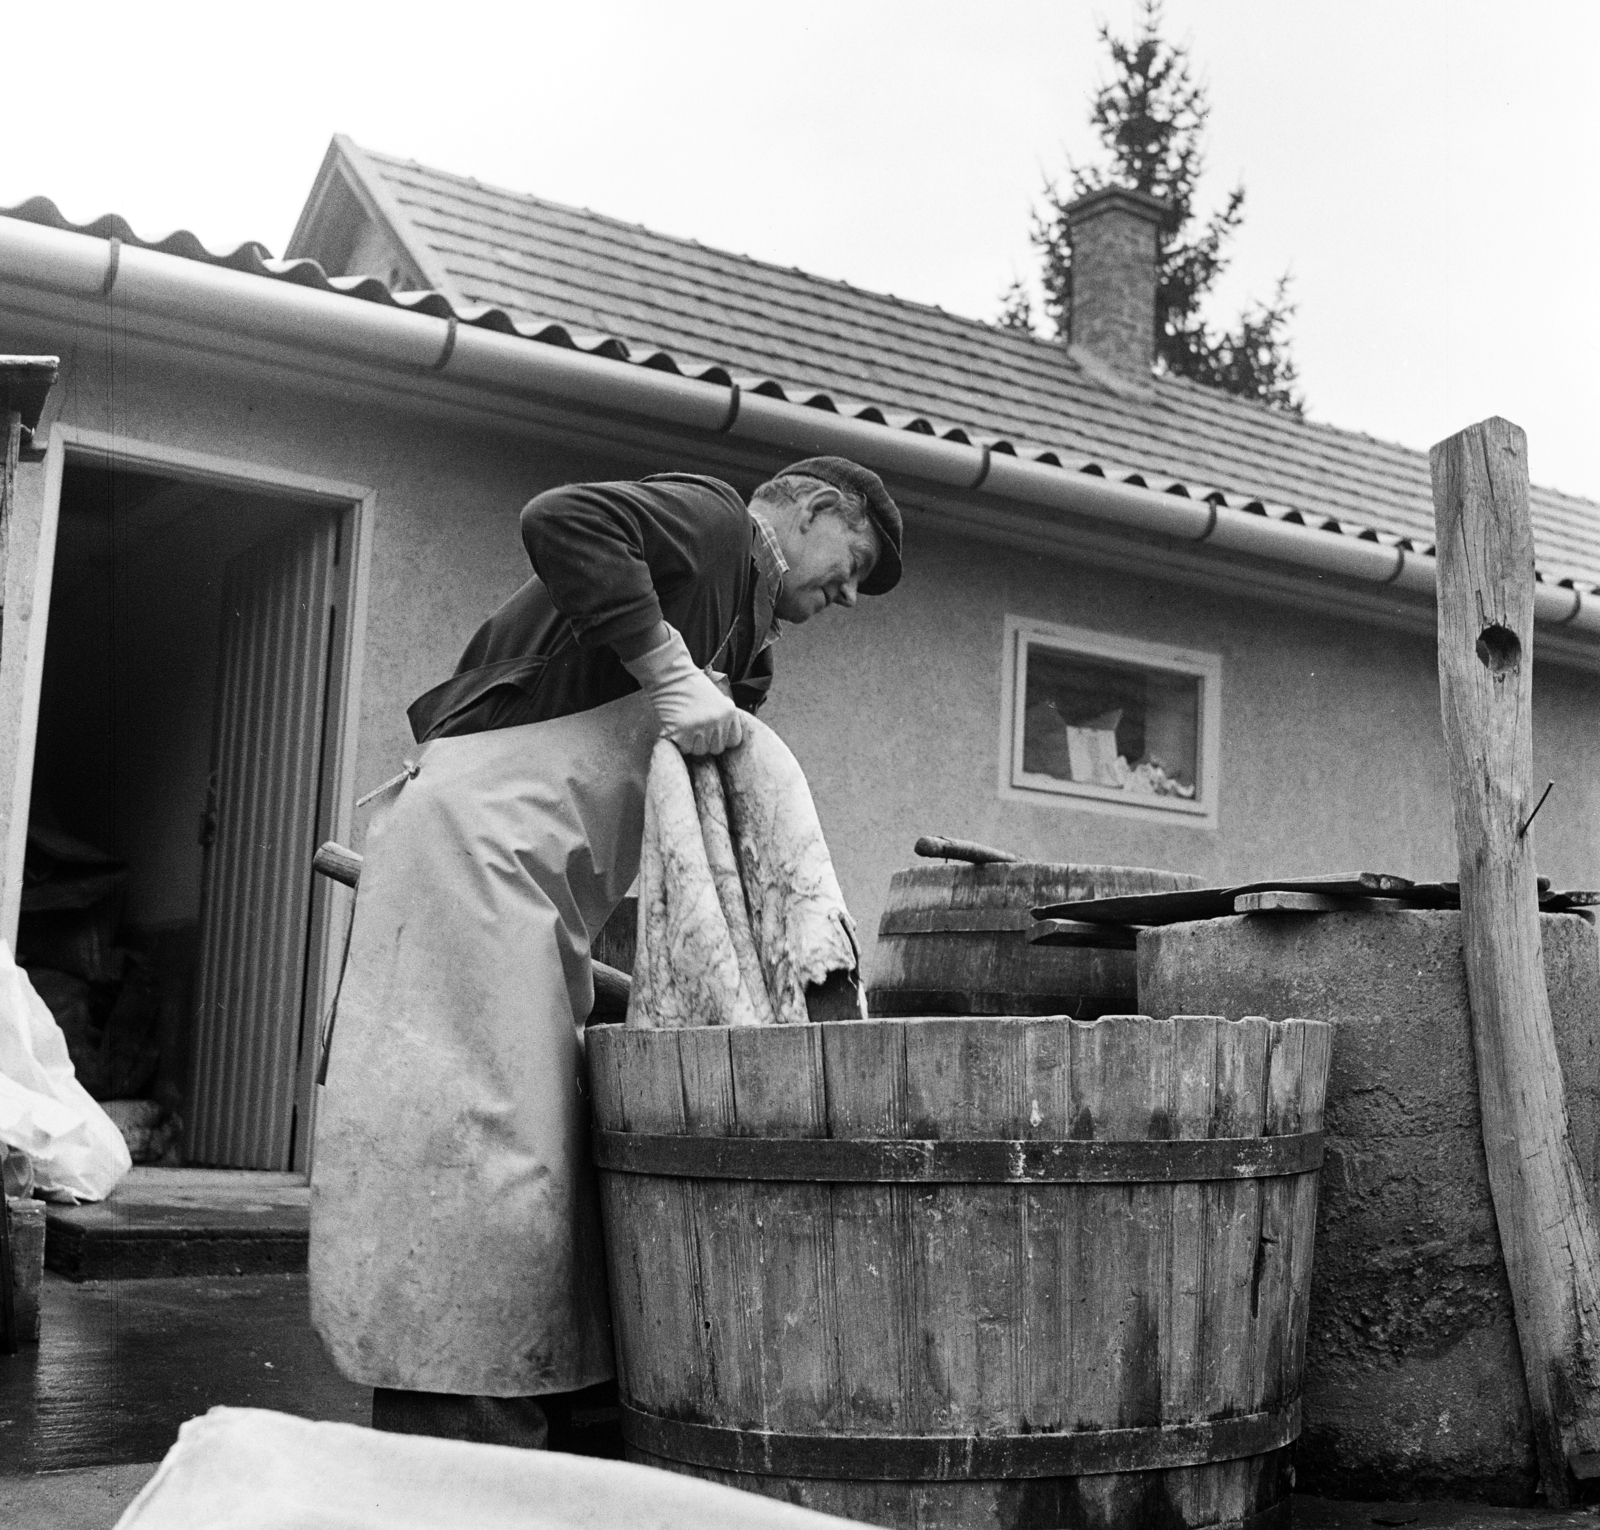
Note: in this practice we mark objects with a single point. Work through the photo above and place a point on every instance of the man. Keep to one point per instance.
(456, 1262)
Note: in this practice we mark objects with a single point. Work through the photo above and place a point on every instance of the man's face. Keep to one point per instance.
(827, 560)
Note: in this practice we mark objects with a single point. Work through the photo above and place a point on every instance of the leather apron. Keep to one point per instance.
(455, 1231)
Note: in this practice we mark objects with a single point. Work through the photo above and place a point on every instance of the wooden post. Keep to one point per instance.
(26, 550)
(1547, 1229)
(11, 423)
(25, 382)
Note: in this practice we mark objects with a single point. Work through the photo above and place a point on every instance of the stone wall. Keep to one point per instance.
(1414, 1380)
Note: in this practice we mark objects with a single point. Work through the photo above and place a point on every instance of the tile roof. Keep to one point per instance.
(821, 341)
(566, 276)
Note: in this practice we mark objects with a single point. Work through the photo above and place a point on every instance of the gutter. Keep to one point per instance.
(416, 345)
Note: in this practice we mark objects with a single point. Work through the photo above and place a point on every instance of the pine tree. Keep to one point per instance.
(1016, 307)
(1151, 121)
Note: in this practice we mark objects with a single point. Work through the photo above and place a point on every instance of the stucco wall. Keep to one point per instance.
(1332, 755)
(1331, 751)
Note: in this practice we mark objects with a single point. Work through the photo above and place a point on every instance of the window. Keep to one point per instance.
(1114, 724)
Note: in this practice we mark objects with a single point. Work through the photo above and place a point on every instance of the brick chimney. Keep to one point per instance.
(1116, 251)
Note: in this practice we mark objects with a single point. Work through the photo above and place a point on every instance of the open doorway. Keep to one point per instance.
(194, 661)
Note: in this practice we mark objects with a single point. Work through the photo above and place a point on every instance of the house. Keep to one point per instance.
(269, 500)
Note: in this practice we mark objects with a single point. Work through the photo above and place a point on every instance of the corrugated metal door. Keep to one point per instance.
(267, 768)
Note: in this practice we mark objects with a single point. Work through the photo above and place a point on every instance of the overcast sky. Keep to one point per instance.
(1426, 169)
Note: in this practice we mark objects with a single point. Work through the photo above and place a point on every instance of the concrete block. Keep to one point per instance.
(1413, 1380)
(27, 1261)
(165, 1222)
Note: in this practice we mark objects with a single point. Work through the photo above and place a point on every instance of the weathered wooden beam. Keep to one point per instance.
(1281, 902)
(11, 425)
(25, 384)
(27, 554)
(1078, 932)
(1287, 901)
(1547, 1230)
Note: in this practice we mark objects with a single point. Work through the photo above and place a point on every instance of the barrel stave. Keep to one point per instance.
(655, 1290)
(705, 1079)
(1235, 1055)
(789, 1256)
(629, 1089)
(865, 1074)
(965, 1081)
(1296, 1085)
(884, 1385)
(777, 1081)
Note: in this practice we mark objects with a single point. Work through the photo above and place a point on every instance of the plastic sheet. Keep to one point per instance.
(77, 1152)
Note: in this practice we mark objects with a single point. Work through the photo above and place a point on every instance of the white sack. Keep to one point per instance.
(78, 1154)
(250, 1469)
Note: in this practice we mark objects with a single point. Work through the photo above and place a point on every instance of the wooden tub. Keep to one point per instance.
(964, 1272)
(953, 940)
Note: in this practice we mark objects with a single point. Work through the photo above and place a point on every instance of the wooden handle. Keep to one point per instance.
(611, 987)
(935, 848)
(611, 990)
(334, 860)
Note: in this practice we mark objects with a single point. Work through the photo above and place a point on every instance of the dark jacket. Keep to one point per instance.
(610, 560)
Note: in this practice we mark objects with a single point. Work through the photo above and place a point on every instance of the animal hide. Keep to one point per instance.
(739, 908)
(723, 860)
(685, 968)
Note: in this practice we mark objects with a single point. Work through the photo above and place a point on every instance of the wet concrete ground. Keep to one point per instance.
(85, 1416)
(120, 1365)
(90, 1498)
(1332, 1514)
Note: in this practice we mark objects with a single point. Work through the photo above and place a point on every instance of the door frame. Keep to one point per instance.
(24, 623)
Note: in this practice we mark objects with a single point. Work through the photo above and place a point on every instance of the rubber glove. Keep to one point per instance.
(693, 712)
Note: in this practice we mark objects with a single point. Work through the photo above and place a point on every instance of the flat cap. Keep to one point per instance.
(882, 511)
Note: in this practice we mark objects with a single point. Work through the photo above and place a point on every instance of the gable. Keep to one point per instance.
(348, 232)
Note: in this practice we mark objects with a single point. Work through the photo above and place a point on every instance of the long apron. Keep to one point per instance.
(455, 1233)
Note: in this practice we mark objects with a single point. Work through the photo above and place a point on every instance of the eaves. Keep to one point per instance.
(976, 489)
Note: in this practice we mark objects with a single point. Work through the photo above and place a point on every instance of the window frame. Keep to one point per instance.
(1019, 785)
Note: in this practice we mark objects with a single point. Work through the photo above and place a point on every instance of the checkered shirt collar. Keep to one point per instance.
(772, 566)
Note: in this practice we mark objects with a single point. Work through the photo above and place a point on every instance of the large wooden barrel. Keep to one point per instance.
(951, 1273)
(953, 940)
